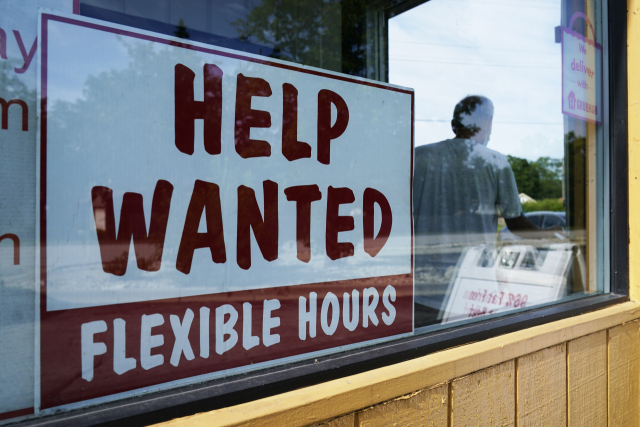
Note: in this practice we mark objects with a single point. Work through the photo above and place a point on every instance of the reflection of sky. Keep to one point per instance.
(67, 49)
(504, 50)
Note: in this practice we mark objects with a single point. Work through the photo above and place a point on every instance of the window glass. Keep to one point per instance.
(196, 189)
(552, 221)
(536, 219)
(326, 34)
(499, 137)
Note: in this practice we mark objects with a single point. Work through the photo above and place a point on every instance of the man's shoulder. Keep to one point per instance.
(494, 153)
(494, 157)
(431, 147)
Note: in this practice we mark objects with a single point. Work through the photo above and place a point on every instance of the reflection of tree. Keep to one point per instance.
(16, 144)
(17, 205)
(11, 87)
(550, 177)
(354, 37)
(303, 31)
(576, 154)
(181, 30)
(540, 179)
(466, 107)
(122, 107)
(99, 87)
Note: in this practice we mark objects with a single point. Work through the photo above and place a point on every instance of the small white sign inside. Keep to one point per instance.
(514, 277)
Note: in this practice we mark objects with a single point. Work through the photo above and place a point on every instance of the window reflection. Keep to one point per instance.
(504, 204)
(519, 174)
(329, 34)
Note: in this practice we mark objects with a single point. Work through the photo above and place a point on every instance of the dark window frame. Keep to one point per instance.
(237, 389)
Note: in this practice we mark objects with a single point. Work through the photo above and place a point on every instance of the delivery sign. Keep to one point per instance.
(204, 211)
(581, 73)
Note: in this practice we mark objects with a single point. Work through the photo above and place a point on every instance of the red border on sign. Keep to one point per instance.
(61, 385)
(16, 413)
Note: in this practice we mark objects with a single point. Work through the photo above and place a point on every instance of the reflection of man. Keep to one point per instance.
(460, 187)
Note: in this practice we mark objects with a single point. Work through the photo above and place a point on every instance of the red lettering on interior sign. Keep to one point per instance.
(28, 57)
(187, 110)
(4, 106)
(249, 217)
(292, 149)
(303, 195)
(16, 246)
(206, 197)
(246, 117)
(327, 132)
(373, 245)
(337, 223)
(3, 44)
(148, 248)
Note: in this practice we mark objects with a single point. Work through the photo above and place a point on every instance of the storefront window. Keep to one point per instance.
(531, 168)
(197, 189)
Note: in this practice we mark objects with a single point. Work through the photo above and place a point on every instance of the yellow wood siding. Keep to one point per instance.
(485, 398)
(624, 375)
(344, 421)
(633, 84)
(541, 391)
(424, 408)
(587, 380)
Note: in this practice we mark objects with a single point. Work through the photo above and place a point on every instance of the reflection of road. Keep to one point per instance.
(76, 277)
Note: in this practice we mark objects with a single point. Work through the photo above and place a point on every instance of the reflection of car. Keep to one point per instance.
(542, 219)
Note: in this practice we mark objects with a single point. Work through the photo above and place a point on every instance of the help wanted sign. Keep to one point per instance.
(204, 211)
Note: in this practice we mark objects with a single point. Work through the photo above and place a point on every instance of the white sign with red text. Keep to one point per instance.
(205, 210)
(581, 73)
(514, 277)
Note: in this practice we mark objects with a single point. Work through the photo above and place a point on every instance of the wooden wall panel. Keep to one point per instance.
(624, 375)
(344, 421)
(542, 388)
(587, 380)
(633, 82)
(427, 408)
(485, 398)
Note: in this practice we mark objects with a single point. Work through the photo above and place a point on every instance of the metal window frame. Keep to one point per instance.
(234, 390)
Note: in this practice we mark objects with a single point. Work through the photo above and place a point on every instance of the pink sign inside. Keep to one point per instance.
(581, 73)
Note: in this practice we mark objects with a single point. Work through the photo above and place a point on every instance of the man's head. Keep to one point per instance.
(472, 118)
